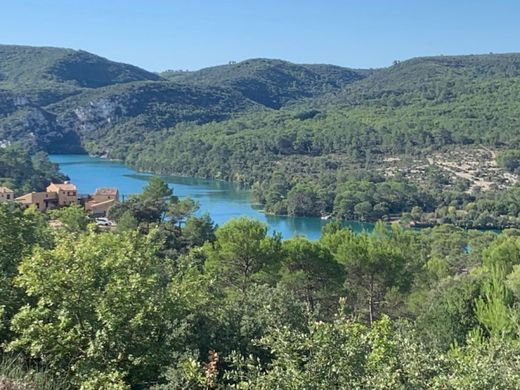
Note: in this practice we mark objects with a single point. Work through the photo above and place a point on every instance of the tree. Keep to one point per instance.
(179, 210)
(493, 308)
(103, 308)
(312, 273)
(127, 222)
(199, 230)
(509, 159)
(326, 355)
(150, 207)
(302, 200)
(374, 267)
(73, 217)
(20, 232)
(243, 253)
(156, 189)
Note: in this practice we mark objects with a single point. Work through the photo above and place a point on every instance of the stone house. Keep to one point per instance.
(6, 194)
(67, 193)
(43, 201)
(101, 201)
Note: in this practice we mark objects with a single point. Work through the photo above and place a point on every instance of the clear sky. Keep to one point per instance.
(191, 34)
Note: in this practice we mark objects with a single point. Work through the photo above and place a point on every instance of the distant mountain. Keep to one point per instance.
(46, 74)
(272, 83)
(59, 99)
(423, 74)
(63, 100)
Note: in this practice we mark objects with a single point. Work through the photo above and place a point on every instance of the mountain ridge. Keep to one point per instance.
(65, 100)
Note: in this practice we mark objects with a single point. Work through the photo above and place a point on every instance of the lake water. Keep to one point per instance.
(221, 200)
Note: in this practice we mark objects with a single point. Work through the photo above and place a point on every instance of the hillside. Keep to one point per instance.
(63, 100)
(46, 74)
(272, 83)
(60, 99)
(109, 119)
(423, 134)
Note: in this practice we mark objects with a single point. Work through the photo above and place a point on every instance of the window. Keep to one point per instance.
(8, 196)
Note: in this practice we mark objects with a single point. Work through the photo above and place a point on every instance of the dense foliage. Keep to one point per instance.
(167, 301)
(272, 83)
(330, 155)
(23, 172)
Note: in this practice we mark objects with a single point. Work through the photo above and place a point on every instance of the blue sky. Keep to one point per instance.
(191, 34)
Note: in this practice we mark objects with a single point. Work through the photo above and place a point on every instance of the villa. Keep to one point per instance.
(56, 195)
(66, 194)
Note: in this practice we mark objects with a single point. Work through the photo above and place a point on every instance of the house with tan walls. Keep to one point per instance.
(6, 194)
(66, 194)
(43, 201)
(101, 201)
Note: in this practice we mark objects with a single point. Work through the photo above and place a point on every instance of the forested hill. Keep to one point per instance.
(420, 135)
(272, 83)
(46, 74)
(424, 74)
(63, 100)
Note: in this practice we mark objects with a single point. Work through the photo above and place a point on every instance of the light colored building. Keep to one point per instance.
(101, 201)
(67, 193)
(104, 194)
(6, 194)
(43, 201)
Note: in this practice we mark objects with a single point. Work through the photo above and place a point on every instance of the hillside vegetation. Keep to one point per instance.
(304, 136)
(63, 100)
(168, 301)
(366, 152)
(272, 83)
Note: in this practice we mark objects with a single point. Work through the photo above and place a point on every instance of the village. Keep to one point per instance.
(65, 194)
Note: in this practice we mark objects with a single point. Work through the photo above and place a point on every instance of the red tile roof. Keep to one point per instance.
(106, 191)
(64, 186)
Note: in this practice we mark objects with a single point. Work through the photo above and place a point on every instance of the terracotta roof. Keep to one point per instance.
(30, 196)
(64, 186)
(106, 191)
(26, 197)
(4, 190)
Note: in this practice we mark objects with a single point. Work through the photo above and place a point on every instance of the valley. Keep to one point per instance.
(260, 195)
(418, 136)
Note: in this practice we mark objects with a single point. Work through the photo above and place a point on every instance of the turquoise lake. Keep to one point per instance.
(221, 200)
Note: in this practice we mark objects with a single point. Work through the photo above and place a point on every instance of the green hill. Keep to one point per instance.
(256, 113)
(272, 83)
(63, 100)
(37, 70)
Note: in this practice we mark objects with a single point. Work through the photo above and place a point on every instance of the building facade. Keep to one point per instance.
(43, 201)
(67, 193)
(6, 194)
(101, 201)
